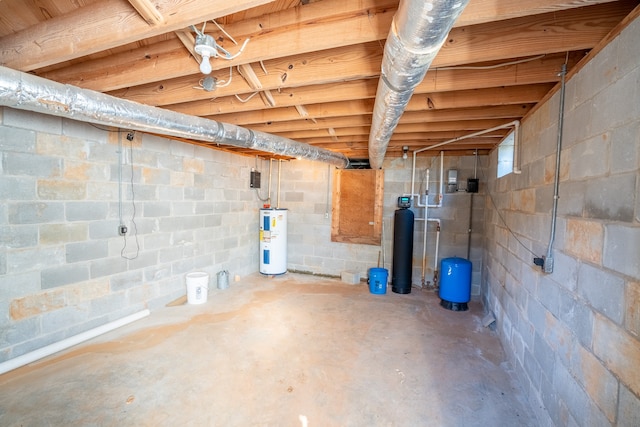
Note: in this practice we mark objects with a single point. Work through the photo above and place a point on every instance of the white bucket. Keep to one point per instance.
(197, 287)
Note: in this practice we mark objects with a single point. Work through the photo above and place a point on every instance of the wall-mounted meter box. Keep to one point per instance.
(452, 181)
(452, 176)
(404, 202)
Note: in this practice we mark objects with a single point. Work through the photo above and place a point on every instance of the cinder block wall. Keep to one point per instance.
(64, 268)
(573, 335)
(306, 190)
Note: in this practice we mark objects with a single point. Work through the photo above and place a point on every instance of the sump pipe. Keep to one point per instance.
(28, 92)
(417, 33)
(50, 349)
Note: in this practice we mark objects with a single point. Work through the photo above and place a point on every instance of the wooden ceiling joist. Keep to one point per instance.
(542, 34)
(148, 11)
(81, 33)
(342, 112)
(321, 62)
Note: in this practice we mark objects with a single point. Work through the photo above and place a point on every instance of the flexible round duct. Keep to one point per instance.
(417, 33)
(28, 92)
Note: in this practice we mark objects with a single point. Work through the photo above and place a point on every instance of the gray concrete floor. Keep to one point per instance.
(293, 350)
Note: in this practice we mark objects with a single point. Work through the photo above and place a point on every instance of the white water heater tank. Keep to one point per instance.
(273, 241)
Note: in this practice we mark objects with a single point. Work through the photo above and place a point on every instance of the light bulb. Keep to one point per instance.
(205, 66)
(404, 155)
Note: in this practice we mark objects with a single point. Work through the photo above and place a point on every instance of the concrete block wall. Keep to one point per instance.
(64, 268)
(306, 190)
(573, 336)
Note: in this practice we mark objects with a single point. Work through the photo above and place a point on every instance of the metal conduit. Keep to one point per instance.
(548, 262)
(28, 92)
(417, 33)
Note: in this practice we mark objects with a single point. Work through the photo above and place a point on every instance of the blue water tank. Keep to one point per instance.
(455, 283)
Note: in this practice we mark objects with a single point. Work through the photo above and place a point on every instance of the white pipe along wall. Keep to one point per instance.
(50, 349)
(417, 197)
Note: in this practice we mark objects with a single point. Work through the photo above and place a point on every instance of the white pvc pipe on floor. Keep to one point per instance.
(50, 349)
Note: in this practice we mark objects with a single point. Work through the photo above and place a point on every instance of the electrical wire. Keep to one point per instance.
(264, 69)
(133, 215)
(119, 178)
(502, 218)
(229, 56)
(106, 129)
(225, 33)
(228, 82)
(246, 99)
(490, 67)
(133, 196)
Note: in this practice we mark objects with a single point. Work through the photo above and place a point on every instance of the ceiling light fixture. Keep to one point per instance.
(405, 150)
(207, 48)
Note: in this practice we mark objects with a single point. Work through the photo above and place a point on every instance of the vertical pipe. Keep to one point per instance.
(441, 177)
(424, 236)
(548, 263)
(269, 195)
(516, 148)
(435, 261)
(424, 239)
(469, 230)
(413, 175)
(279, 172)
(475, 167)
(326, 208)
(382, 240)
(475, 176)
(120, 178)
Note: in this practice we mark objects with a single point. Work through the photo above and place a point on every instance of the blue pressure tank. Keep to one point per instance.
(455, 283)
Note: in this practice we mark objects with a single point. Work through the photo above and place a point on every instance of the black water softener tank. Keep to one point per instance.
(402, 247)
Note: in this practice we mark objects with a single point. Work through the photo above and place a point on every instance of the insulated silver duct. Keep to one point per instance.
(28, 92)
(417, 33)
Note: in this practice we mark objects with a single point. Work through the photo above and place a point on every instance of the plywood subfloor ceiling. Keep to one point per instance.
(310, 69)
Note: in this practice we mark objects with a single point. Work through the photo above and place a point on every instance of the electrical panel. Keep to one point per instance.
(472, 185)
(254, 181)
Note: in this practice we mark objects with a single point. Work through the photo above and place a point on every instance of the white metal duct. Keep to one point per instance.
(417, 33)
(28, 92)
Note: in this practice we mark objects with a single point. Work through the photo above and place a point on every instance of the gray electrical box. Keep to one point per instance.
(254, 181)
(472, 185)
(452, 181)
